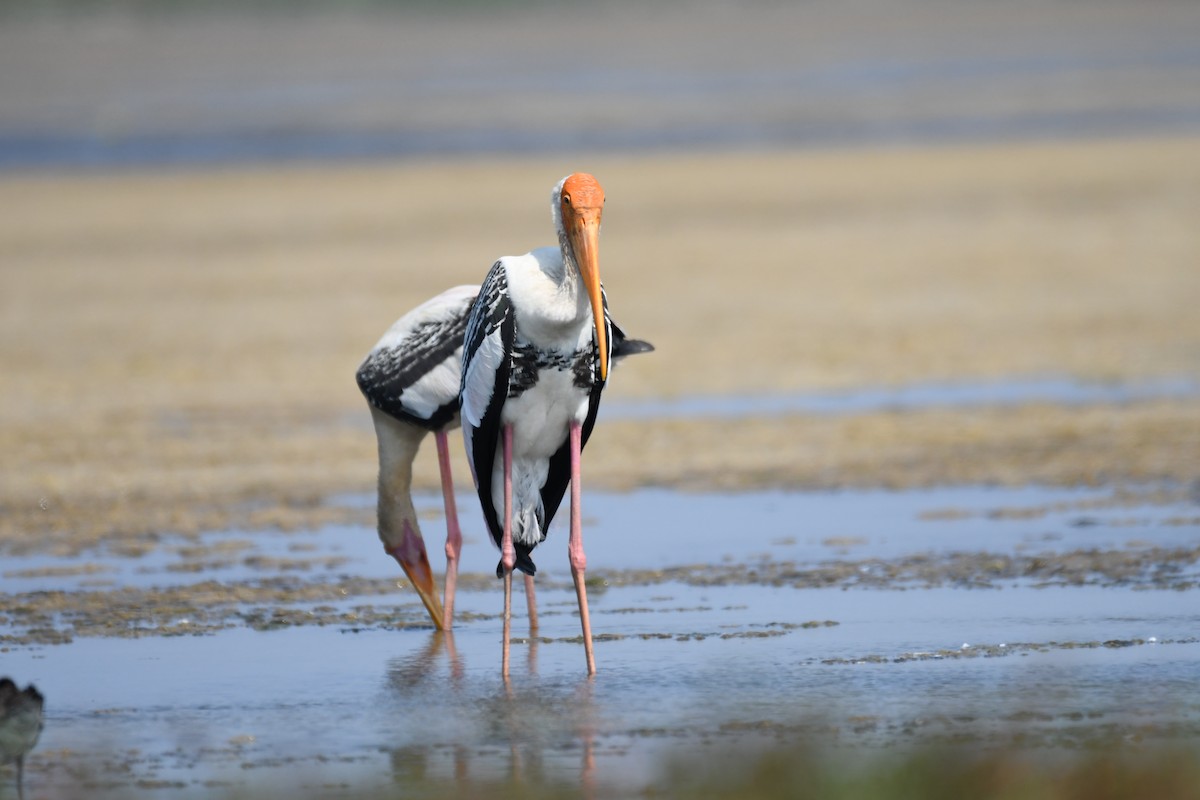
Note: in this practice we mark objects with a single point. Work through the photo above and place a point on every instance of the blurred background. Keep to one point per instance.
(97, 83)
(930, 265)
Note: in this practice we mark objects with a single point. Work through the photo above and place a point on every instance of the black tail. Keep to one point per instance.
(524, 561)
(622, 346)
(628, 347)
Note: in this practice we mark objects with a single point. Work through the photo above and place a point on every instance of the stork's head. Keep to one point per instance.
(581, 204)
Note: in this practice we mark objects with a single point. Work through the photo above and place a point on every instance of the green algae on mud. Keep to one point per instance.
(1106, 770)
(983, 539)
(47, 617)
(780, 762)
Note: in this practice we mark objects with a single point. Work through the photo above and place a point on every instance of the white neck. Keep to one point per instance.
(570, 268)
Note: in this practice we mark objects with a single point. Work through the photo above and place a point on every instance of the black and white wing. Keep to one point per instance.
(412, 373)
(486, 366)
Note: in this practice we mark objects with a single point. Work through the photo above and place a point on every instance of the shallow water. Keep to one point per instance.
(309, 706)
(355, 688)
(658, 528)
(956, 394)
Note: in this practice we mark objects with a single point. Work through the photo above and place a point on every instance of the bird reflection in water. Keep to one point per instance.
(516, 732)
(406, 674)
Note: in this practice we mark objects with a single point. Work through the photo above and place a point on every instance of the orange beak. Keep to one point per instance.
(415, 562)
(583, 230)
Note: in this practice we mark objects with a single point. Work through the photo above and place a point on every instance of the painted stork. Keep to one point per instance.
(410, 379)
(411, 382)
(20, 725)
(535, 361)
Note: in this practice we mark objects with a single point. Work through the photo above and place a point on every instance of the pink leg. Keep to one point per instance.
(453, 532)
(531, 603)
(575, 547)
(508, 554)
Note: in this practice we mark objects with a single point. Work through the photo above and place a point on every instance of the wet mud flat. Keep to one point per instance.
(861, 621)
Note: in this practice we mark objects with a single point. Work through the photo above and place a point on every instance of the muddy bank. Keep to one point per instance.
(180, 347)
(1021, 540)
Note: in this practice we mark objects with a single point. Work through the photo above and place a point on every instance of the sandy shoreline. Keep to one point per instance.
(179, 347)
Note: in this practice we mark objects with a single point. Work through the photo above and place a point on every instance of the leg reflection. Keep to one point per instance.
(543, 726)
(586, 731)
(531, 661)
(456, 666)
(531, 604)
(417, 683)
(415, 669)
(470, 735)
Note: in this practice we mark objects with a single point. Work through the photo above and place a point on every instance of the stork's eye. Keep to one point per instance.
(566, 199)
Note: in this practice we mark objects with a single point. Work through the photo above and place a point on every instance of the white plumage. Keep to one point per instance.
(535, 361)
(412, 372)
(411, 379)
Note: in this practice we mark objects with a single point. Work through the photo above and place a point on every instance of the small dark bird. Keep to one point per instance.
(20, 725)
